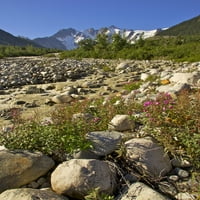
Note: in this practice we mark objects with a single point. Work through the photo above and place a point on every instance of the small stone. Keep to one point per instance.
(20, 102)
(132, 178)
(167, 188)
(41, 180)
(181, 173)
(176, 162)
(185, 196)
(33, 185)
(144, 76)
(2, 147)
(164, 82)
(45, 185)
(62, 98)
(173, 178)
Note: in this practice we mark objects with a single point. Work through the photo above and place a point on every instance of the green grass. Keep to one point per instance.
(132, 85)
(15, 51)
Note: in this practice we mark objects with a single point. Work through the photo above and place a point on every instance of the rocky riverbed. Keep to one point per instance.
(36, 83)
(33, 86)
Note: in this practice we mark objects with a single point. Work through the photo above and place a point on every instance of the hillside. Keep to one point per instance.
(9, 39)
(189, 27)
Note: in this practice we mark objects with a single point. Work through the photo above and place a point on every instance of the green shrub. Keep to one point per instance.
(50, 139)
(184, 48)
(96, 195)
(132, 86)
(13, 51)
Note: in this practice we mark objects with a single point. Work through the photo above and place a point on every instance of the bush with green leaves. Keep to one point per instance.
(52, 139)
(96, 195)
(132, 85)
(14, 51)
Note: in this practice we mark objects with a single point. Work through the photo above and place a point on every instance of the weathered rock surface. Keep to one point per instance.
(140, 191)
(30, 194)
(174, 88)
(104, 142)
(77, 177)
(62, 98)
(121, 123)
(18, 168)
(189, 78)
(148, 156)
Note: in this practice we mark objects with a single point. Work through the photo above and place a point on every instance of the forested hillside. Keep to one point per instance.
(189, 27)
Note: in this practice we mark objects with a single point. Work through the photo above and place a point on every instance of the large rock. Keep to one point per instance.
(104, 142)
(173, 88)
(77, 177)
(34, 90)
(18, 168)
(144, 76)
(62, 98)
(148, 156)
(121, 123)
(30, 194)
(189, 78)
(140, 191)
(185, 196)
(122, 66)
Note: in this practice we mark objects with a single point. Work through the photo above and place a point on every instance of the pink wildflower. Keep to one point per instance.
(147, 103)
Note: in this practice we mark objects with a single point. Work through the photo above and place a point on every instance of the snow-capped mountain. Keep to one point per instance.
(69, 38)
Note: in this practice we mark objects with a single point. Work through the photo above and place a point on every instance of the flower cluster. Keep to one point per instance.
(159, 108)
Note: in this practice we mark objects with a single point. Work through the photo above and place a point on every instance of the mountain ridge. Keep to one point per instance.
(9, 39)
(70, 37)
(187, 27)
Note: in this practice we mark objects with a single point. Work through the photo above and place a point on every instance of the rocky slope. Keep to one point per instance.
(36, 84)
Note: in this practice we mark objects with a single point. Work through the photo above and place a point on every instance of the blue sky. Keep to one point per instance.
(39, 18)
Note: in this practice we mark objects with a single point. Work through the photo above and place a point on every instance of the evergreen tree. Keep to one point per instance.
(118, 43)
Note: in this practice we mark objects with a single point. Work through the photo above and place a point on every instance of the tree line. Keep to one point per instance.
(179, 48)
(14, 51)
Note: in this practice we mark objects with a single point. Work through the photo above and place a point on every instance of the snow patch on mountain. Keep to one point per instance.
(69, 38)
(68, 42)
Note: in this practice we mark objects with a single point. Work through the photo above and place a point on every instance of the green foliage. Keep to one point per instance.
(13, 51)
(87, 44)
(106, 68)
(96, 195)
(56, 140)
(118, 43)
(64, 135)
(132, 86)
(180, 48)
(189, 27)
(151, 78)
